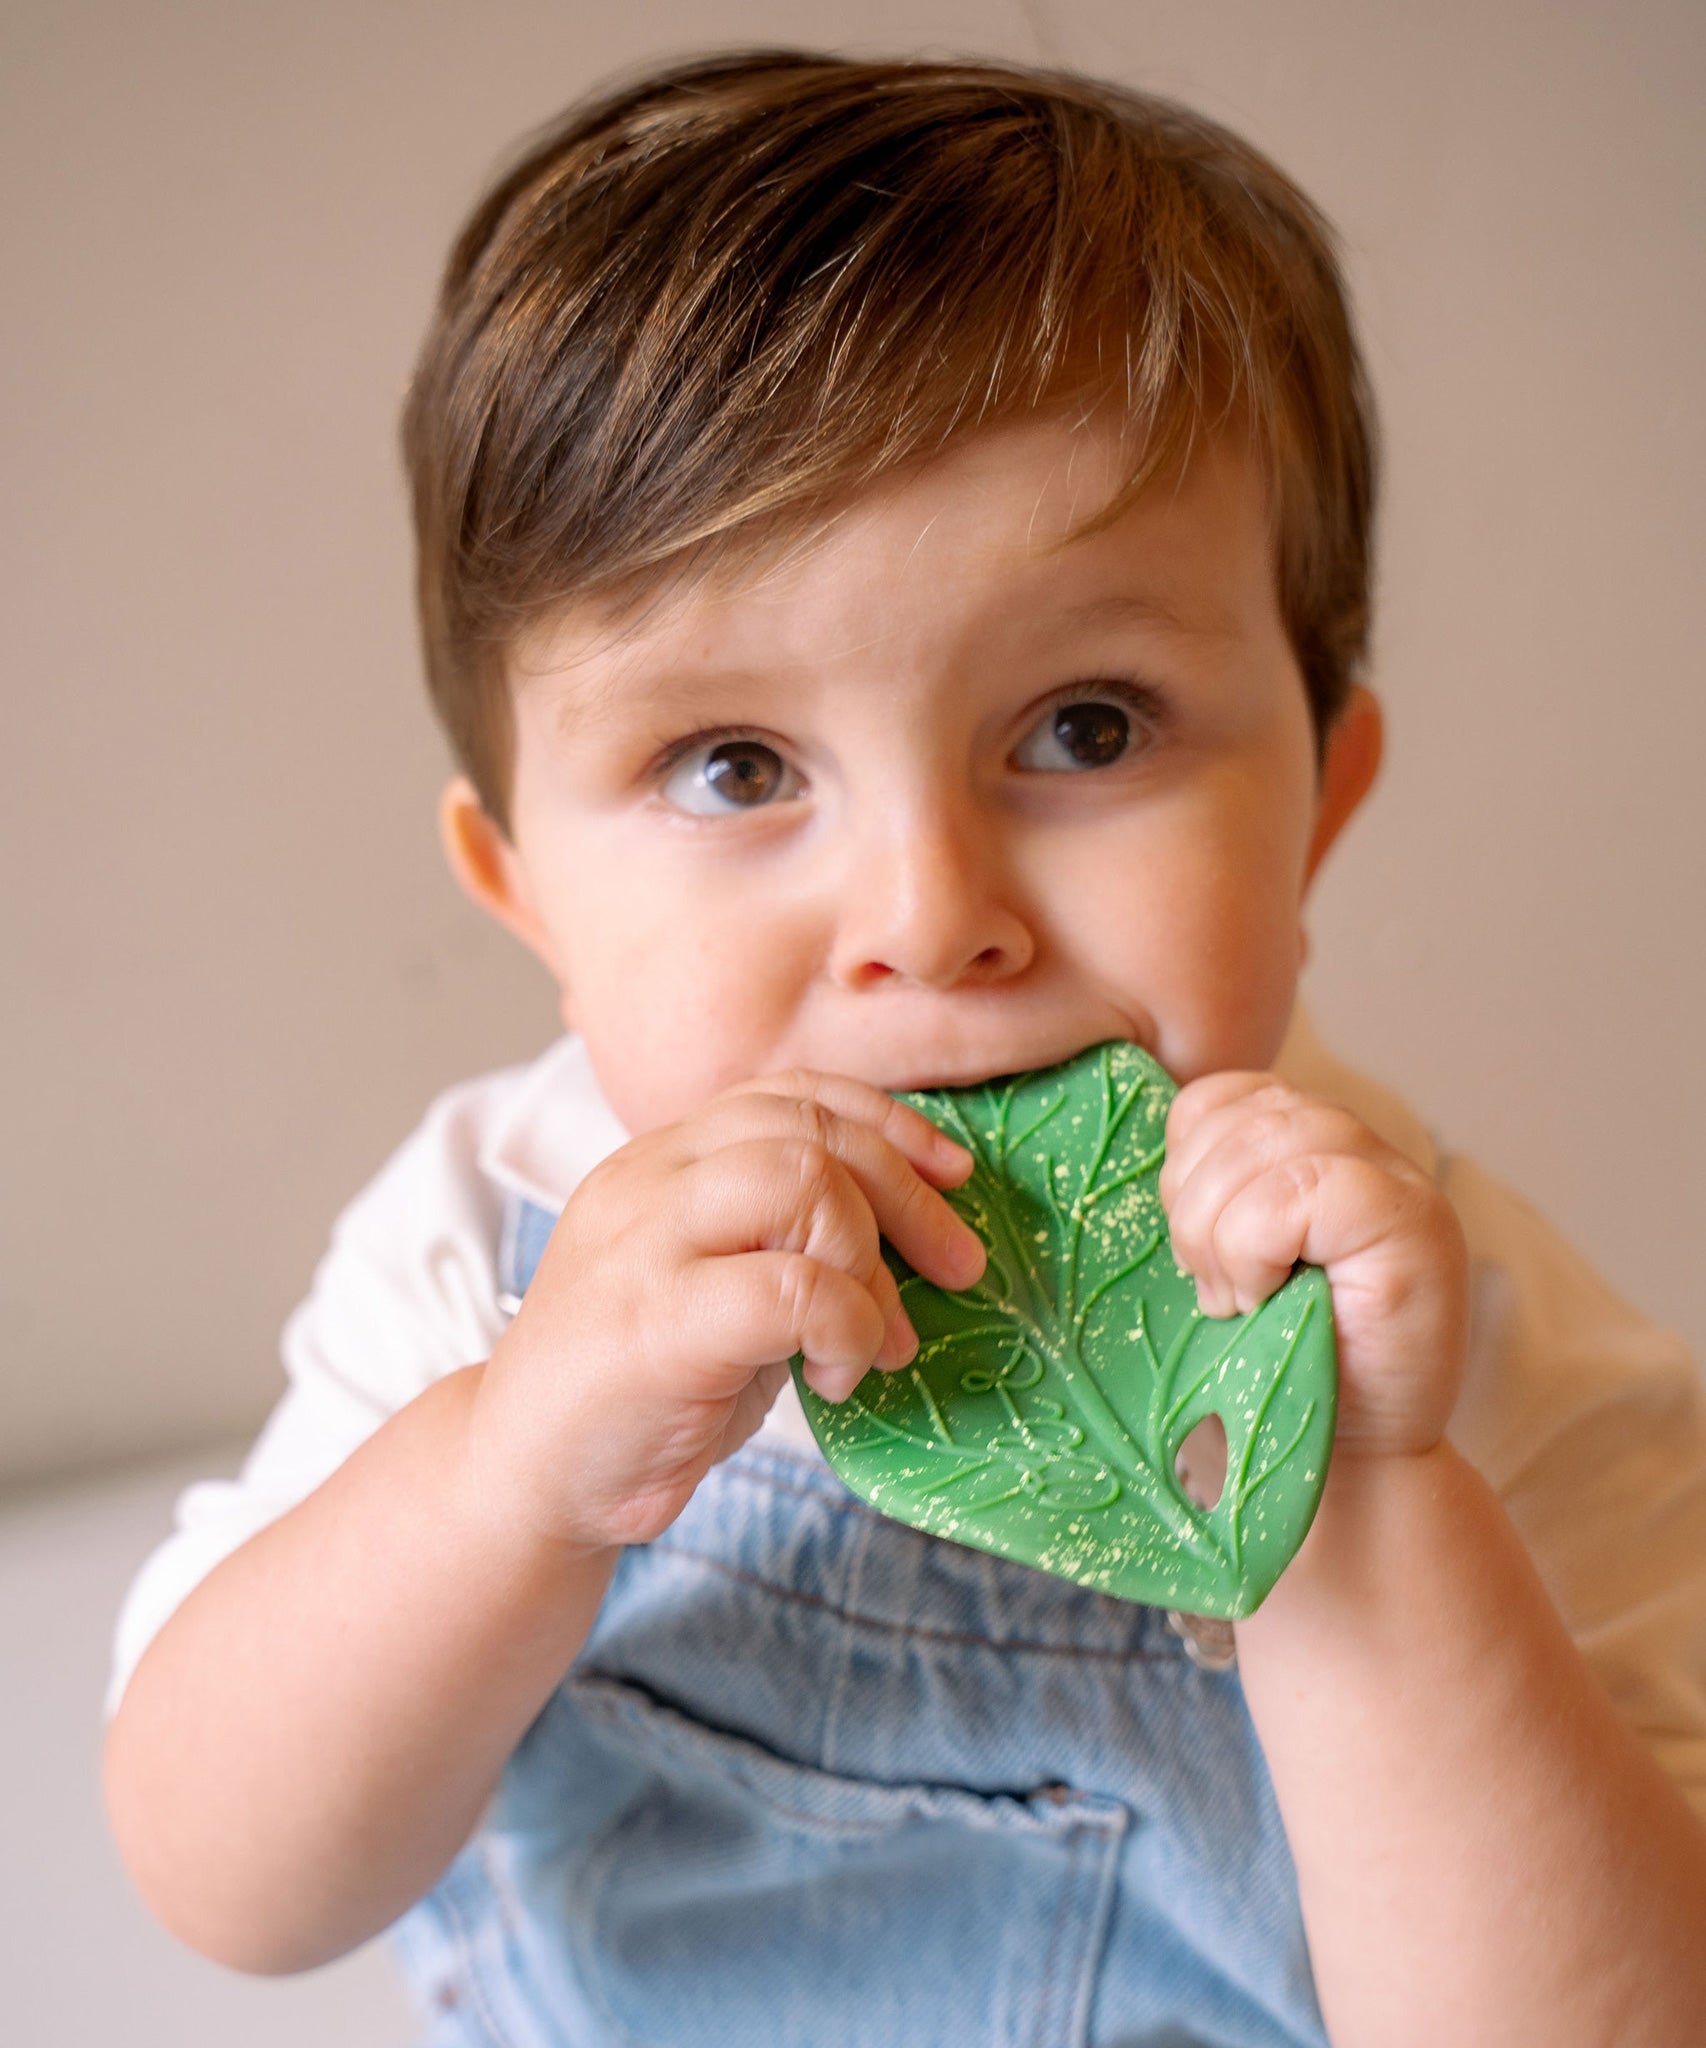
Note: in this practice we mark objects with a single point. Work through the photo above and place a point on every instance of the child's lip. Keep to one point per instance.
(972, 1077)
(980, 1074)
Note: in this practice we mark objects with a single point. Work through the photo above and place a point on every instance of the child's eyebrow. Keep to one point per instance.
(1203, 621)
(663, 692)
(658, 687)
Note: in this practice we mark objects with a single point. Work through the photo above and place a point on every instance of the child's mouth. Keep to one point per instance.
(982, 1073)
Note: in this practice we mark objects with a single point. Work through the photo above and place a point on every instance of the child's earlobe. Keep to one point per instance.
(1350, 762)
(486, 865)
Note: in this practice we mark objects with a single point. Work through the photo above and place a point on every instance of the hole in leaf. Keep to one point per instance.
(1201, 1463)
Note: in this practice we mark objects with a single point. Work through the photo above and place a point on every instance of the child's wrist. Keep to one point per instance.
(492, 1501)
(1369, 1506)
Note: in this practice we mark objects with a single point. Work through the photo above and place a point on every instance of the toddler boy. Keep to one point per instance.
(894, 556)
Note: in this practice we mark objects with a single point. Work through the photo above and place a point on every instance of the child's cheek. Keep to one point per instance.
(1223, 989)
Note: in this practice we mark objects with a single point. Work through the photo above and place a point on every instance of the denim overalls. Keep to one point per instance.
(818, 1780)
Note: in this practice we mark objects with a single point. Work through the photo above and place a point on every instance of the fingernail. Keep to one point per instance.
(834, 1387)
(900, 1340)
(969, 1253)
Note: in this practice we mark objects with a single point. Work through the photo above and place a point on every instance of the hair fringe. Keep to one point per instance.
(707, 306)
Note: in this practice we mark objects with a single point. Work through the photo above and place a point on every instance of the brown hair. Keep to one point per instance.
(705, 306)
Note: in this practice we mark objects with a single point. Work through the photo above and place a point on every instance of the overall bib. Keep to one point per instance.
(818, 1780)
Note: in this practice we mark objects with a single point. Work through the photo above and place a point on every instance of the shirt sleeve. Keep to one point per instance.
(1590, 1423)
(405, 1294)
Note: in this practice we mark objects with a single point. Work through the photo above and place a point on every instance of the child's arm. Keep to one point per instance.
(313, 1734)
(1485, 1852)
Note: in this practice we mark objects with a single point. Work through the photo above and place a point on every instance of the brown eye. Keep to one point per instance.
(743, 771)
(728, 775)
(1091, 734)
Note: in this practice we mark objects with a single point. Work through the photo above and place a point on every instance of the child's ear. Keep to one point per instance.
(485, 862)
(1349, 763)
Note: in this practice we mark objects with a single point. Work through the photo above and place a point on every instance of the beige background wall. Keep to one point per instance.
(232, 971)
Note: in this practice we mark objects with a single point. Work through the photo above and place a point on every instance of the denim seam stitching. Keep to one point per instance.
(462, 1939)
(1045, 2000)
(915, 1800)
(1097, 1926)
(584, 1925)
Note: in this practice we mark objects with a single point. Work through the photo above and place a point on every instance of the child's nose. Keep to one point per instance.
(931, 905)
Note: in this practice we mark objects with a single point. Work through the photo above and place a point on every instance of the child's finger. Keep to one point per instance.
(938, 1157)
(909, 1212)
(1227, 1142)
(1254, 1240)
(794, 1195)
(749, 1311)
(1270, 1138)
(1204, 1116)
(780, 1194)
(1202, 1100)
(1324, 1208)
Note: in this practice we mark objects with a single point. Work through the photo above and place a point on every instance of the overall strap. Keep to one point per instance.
(521, 1244)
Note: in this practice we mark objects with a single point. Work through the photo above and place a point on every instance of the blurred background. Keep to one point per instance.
(234, 970)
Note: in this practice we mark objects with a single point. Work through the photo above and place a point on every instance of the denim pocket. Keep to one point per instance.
(734, 1896)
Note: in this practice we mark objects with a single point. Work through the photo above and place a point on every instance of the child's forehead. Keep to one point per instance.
(984, 539)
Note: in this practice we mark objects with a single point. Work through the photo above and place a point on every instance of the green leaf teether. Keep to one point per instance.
(1043, 1415)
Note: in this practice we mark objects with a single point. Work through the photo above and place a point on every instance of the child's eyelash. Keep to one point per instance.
(1143, 700)
(676, 751)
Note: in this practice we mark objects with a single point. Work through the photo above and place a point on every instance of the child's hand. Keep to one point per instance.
(1258, 1176)
(685, 1271)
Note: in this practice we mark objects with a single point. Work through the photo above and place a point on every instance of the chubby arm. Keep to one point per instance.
(1485, 1852)
(313, 1734)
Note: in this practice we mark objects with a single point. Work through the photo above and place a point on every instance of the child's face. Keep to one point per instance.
(929, 800)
